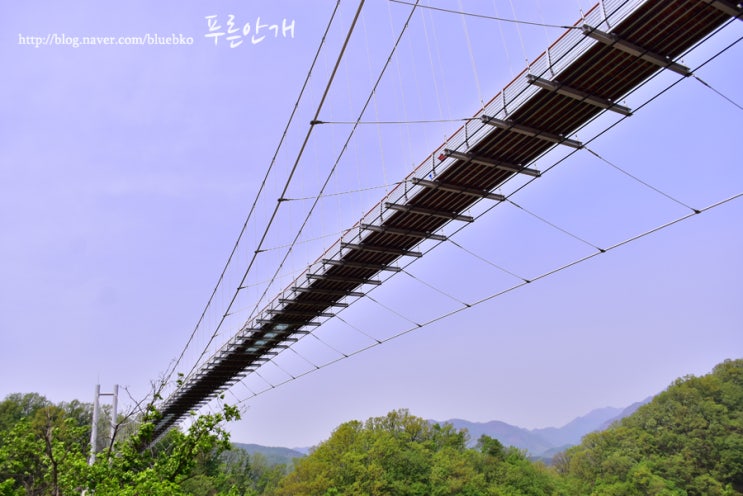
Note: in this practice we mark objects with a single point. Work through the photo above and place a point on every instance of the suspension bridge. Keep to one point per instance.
(617, 47)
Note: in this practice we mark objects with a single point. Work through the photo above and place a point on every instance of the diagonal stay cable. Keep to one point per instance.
(328, 345)
(242, 381)
(730, 100)
(357, 329)
(553, 225)
(431, 286)
(275, 364)
(271, 385)
(483, 259)
(644, 183)
(291, 348)
(393, 311)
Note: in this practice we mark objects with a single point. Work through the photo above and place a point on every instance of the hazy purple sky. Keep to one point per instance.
(126, 173)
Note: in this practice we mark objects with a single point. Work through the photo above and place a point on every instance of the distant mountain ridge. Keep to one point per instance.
(273, 455)
(541, 443)
(545, 442)
(626, 412)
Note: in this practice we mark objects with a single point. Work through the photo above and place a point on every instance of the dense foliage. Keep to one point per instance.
(688, 441)
(44, 451)
(405, 455)
(41, 445)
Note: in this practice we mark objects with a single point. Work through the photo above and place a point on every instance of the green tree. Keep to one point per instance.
(687, 441)
(135, 468)
(40, 444)
(44, 447)
(18, 406)
(405, 455)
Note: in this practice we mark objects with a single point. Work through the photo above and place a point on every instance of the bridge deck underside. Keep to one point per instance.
(669, 28)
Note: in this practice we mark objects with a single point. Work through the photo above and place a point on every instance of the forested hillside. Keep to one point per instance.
(688, 441)
(405, 455)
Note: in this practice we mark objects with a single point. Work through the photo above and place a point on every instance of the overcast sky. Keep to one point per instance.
(127, 172)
